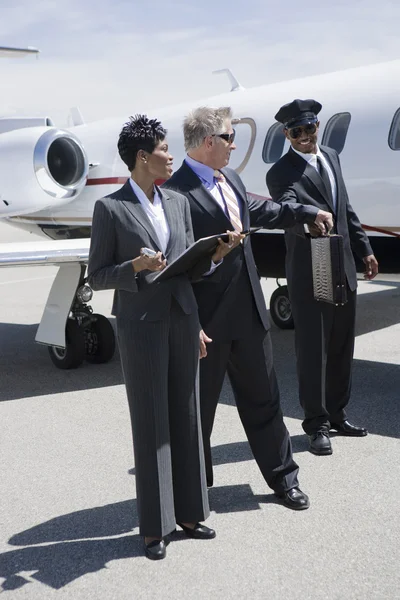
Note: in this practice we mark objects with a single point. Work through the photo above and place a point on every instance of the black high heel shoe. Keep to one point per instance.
(157, 549)
(199, 532)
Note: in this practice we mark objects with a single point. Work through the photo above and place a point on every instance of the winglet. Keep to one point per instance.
(236, 87)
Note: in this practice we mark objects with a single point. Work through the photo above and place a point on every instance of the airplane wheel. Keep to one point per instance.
(280, 308)
(99, 340)
(73, 354)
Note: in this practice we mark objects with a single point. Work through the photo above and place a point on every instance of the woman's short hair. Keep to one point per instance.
(204, 121)
(139, 133)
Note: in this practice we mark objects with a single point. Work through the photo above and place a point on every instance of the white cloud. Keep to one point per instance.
(118, 57)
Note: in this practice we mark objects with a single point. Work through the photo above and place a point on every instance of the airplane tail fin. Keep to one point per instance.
(75, 117)
(236, 87)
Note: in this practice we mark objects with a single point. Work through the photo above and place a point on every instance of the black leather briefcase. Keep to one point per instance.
(329, 277)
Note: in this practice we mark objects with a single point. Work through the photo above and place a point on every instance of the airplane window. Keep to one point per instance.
(394, 132)
(335, 131)
(274, 143)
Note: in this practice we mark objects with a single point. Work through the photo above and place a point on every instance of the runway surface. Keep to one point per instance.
(68, 510)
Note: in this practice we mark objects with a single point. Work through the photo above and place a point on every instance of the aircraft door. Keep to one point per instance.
(246, 131)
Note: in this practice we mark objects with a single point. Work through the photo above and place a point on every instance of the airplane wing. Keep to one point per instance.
(17, 52)
(70, 256)
(50, 252)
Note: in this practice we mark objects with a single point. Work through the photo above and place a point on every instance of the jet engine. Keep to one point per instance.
(40, 167)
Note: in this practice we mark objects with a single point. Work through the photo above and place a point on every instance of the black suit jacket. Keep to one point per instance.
(120, 228)
(292, 179)
(231, 298)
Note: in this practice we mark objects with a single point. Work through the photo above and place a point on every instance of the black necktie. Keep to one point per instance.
(325, 178)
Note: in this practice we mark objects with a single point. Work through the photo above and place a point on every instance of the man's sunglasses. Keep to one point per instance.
(297, 131)
(228, 137)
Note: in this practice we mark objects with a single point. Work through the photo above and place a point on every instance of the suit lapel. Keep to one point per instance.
(302, 165)
(334, 171)
(171, 214)
(134, 207)
(202, 196)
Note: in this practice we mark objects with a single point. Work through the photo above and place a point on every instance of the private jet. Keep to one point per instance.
(50, 179)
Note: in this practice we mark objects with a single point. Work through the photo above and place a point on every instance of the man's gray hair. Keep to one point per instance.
(204, 121)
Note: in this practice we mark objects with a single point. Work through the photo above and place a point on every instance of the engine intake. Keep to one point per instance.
(60, 163)
(40, 167)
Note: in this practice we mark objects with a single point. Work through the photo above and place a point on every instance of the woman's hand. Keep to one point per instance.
(146, 263)
(224, 248)
(204, 339)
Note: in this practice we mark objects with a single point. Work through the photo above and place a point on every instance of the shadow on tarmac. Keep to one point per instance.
(70, 554)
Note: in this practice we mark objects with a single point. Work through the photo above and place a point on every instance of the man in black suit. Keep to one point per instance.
(311, 175)
(231, 303)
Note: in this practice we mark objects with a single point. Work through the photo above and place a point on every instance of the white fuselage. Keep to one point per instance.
(371, 168)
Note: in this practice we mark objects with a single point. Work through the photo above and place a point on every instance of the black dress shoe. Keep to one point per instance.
(295, 499)
(156, 550)
(320, 444)
(346, 428)
(199, 532)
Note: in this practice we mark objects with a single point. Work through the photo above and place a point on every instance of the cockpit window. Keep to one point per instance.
(394, 132)
(335, 131)
(274, 143)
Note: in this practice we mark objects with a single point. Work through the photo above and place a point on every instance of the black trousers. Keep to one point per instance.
(160, 365)
(249, 364)
(324, 338)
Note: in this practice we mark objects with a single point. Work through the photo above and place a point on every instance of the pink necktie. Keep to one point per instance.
(230, 200)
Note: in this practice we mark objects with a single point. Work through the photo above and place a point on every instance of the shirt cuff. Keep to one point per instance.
(213, 267)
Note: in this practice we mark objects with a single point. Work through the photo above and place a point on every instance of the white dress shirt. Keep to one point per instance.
(155, 212)
(312, 161)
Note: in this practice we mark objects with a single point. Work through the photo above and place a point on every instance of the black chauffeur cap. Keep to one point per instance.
(298, 112)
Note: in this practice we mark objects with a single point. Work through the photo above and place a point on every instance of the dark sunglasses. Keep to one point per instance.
(297, 131)
(228, 137)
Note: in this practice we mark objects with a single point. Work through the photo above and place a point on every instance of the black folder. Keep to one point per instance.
(188, 259)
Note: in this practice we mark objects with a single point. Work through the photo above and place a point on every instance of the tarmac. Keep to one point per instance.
(68, 520)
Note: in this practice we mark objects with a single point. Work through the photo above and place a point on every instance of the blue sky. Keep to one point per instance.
(113, 58)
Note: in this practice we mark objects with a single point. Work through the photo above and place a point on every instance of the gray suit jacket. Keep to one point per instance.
(120, 228)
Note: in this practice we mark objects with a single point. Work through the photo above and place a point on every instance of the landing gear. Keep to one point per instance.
(73, 354)
(99, 340)
(280, 308)
(68, 327)
(88, 336)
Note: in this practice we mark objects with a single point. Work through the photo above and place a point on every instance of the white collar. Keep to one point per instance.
(310, 158)
(143, 199)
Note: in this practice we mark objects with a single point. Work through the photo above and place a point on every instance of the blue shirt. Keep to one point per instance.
(206, 176)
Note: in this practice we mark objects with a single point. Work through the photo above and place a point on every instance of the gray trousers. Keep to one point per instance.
(160, 365)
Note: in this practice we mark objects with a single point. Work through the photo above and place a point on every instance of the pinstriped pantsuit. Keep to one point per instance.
(158, 336)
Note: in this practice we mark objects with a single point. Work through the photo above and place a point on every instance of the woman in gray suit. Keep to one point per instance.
(158, 333)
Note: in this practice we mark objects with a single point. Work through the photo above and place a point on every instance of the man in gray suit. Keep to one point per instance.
(231, 303)
(311, 175)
